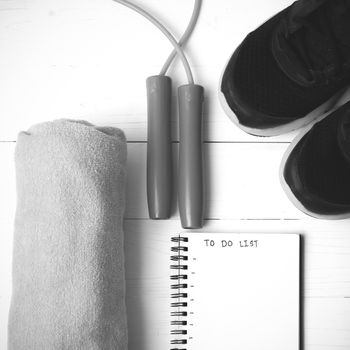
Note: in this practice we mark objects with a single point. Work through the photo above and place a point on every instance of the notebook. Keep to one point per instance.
(221, 291)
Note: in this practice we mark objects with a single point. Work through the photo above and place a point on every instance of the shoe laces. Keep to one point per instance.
(317, 34)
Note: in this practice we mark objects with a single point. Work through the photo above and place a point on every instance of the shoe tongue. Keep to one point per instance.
(315, 40)
(301, 9)
(344, 134)
(328, 38)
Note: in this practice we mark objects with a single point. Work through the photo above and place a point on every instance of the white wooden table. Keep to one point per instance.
(88, 59)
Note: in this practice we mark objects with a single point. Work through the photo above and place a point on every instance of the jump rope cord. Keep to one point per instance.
(170, 37)
(190, 27)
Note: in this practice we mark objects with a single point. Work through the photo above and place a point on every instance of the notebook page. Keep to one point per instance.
(243, 291)
(147, 267)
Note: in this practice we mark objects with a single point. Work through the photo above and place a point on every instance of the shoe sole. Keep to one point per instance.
(317, 113)
(288, 190)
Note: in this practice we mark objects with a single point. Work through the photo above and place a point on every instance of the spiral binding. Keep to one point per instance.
(179, 292)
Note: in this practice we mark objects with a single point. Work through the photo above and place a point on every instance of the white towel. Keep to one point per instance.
(68, 259)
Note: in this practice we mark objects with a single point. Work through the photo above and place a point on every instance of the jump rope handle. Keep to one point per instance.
(190, 193)
(159, 152)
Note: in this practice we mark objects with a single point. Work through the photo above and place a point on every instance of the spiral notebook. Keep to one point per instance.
(221, 291)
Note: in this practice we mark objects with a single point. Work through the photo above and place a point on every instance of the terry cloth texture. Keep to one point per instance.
(68, 259)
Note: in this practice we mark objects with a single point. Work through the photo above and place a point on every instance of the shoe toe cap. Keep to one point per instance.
(316, 173)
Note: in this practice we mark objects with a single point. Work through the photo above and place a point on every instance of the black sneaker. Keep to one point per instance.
(315, 171)
(291, 69)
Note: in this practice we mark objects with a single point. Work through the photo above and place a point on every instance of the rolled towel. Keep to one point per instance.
(68, 259)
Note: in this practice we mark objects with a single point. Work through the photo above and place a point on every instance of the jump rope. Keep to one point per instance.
(159, 151)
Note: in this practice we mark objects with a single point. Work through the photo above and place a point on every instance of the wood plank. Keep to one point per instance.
(86, 61)
(250, 200)
(326, 324)
(326, 283)
(327, 252)
(241, 181)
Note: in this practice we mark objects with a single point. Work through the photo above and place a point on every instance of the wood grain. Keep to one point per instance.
(89, 59)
